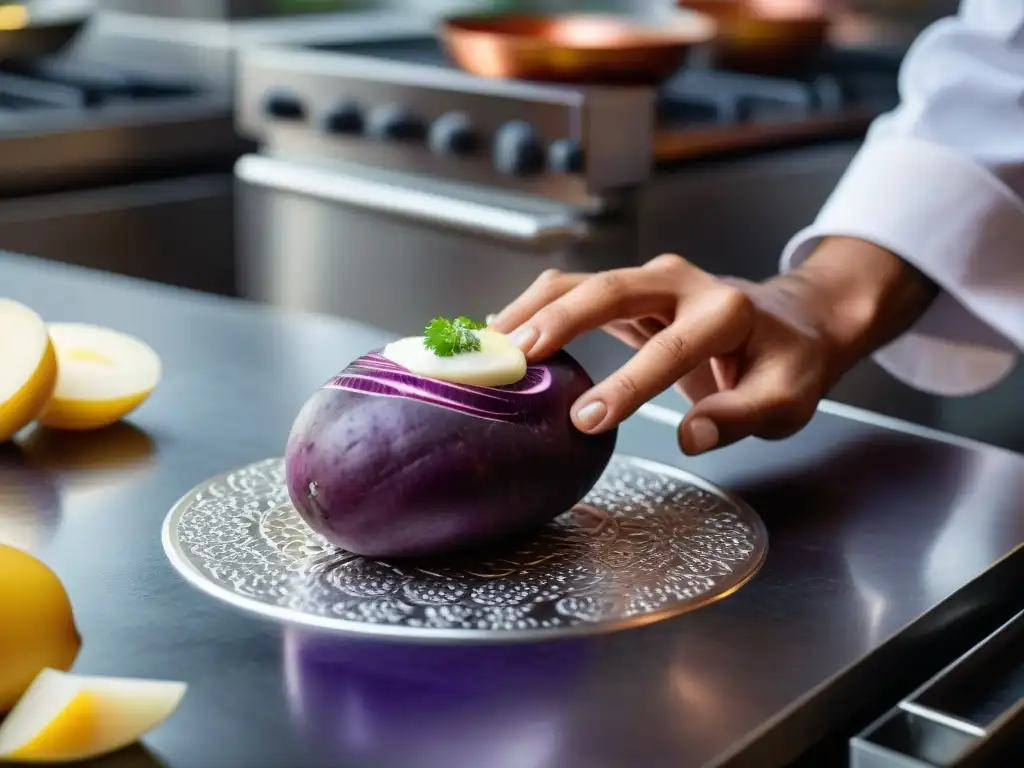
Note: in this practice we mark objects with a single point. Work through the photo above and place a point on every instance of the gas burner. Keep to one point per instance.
(727, 98)
(839, 81)
(419, 50)
(67, 122)
(59, 83)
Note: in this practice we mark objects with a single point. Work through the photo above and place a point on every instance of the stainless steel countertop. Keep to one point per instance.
(884, 546)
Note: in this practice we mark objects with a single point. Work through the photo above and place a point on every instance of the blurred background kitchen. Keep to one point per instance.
(332, 156)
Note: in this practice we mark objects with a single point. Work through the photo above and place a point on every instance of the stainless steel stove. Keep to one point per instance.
(400, 104)
(68, 122)
(107, 165)
(118, 155)
(391, 186)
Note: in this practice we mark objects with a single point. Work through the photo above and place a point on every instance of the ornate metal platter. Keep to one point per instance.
(648, 542)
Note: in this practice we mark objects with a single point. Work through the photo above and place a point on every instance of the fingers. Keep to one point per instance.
(558, 307)
(710, 320)
(712, 325)
(634, 333)
(725, 371)
(769, 401)
(599, 300)
(627, 333)
(649, 326)
(698, 383)
(549, 285)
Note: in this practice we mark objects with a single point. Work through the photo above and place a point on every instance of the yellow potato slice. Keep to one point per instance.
(65, 718)
(103, 375)
(28, 367)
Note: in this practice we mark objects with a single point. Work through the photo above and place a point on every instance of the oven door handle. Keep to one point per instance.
(441, 210)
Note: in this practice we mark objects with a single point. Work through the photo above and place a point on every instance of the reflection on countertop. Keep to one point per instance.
(30, 504)
(119, 448)
(404, 705)
(41, 467)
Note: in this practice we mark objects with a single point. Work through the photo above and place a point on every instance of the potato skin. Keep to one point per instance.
(382, 472)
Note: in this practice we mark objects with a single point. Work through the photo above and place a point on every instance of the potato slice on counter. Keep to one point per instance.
(65, 718)
(103, 375)
(28, 367)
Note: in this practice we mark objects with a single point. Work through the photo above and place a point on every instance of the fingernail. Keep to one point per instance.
(491, 319)
(591, 415)
(525, 337)
(703, 434)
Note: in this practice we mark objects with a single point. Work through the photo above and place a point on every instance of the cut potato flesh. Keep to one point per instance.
(497, 363)
(64, 718)
(28, 367)
(103, 375)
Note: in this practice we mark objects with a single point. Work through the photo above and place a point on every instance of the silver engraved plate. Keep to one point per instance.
(647, 543)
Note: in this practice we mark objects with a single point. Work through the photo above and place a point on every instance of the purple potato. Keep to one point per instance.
(387, 464)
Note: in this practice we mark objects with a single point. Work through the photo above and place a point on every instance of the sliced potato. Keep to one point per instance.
(65, 718)
(103, 375)
(28, 367)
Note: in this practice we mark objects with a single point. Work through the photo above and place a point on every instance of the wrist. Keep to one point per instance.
(862, 296)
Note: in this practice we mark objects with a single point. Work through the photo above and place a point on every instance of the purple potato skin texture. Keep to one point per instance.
(399, 478)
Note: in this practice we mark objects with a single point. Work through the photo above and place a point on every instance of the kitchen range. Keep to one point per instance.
(385, 170)
(105, 167)
(109, 163)
(117, 139)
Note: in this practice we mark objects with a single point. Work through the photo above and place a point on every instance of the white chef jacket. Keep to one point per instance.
(940, 182)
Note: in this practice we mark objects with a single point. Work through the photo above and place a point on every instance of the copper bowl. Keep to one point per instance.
(593, 49)
(763, 38)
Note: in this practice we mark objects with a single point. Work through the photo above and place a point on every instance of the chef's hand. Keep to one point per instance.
(754, 359)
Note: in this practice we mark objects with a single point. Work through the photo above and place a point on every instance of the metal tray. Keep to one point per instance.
(647, 543)
(971, 715)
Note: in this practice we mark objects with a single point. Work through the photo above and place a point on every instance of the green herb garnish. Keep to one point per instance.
(446, 338)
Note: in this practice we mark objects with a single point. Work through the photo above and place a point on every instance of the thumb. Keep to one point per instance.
(767, 401)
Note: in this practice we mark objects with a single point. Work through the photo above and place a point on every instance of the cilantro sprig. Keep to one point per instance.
(446, 338)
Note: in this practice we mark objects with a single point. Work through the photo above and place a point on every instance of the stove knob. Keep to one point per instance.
(343, 118)
(453, 134)
(518, 150)
(392, 123)
(284, 105)
(565, 156)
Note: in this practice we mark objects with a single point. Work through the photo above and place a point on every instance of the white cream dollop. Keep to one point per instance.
(497, 363)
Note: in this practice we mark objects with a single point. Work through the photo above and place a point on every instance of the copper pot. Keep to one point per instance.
(592, 49)
(763, 37)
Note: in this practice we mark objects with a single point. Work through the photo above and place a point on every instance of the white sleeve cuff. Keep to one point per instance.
(959, 225)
